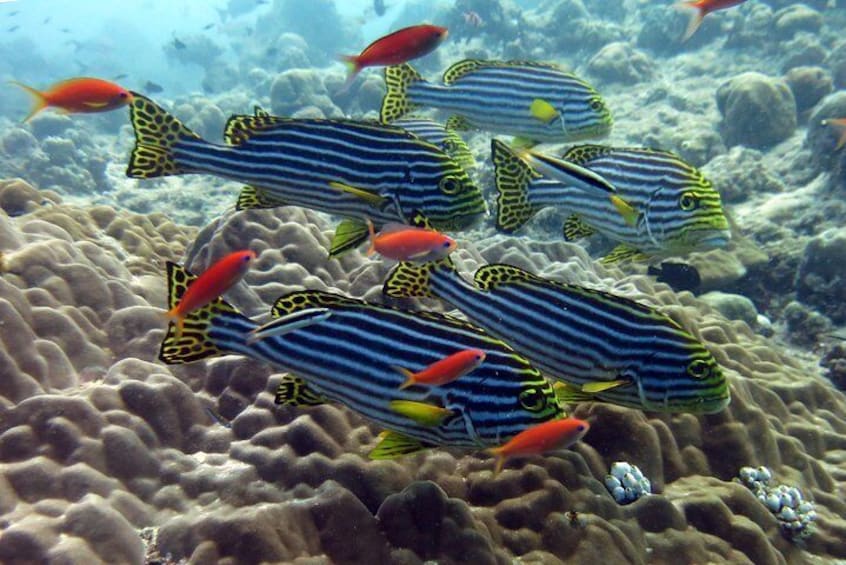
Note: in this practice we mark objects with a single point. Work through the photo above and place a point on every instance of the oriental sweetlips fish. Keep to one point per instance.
(677, 208)
(599, 345)
(352, 169)
(535, 102)
(348, 351)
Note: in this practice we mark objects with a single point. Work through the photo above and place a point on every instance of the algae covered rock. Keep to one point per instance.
(809, 85)
(620, 62)
(821, 280)
(757, 110)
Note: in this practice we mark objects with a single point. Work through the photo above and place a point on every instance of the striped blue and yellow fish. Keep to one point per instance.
(353, 169)
(535, 102)
(442, 136)
(598, 345)
(348, 351)
(677, 210)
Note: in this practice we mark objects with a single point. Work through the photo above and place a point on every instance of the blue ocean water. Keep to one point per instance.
(110, 453)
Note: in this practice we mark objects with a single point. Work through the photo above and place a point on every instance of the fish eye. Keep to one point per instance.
(449, 185)
(596, 104)
(699, 369)
(688, 201)
(123, 94)
(581, 428)
(532, 399)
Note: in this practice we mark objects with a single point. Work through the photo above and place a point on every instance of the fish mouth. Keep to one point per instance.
(711, 239)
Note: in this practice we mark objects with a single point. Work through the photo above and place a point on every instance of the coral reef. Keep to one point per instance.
(107, 455)
(758, 111)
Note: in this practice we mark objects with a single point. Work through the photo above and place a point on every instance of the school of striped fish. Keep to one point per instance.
(530, 348)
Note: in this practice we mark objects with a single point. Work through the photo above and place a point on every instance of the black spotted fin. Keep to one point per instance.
(240, 127)
(294, 391)
(623, 252)
(396, 103)
(252, 198)
(575, 229)
(394, 444)
(488, 277)
(156, 134)
(458, 123)
(512, 177)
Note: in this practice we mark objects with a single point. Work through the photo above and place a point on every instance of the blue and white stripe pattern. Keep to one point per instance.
(295, 161)
(679, 210)
(497, 96)
(579, 335)
(351, 357)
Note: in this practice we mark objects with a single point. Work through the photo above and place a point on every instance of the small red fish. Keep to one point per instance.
(554, 434)
(78, 95)
(702, 8)
(210, 285)
(840, 125)
(408, 243)
(398, 47)
(444, 370)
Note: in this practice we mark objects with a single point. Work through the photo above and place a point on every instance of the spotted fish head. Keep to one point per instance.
(455, 203)
(687, 218)
(686, 379)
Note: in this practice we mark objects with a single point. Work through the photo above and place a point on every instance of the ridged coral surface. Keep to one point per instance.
(108, 455)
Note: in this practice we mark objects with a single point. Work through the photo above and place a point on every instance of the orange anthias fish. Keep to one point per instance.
(409, 243)
(840, 125)
(554, 434)
(445, 370)
(78, 95)
(396, 48)
(702, 8)
(210, 285)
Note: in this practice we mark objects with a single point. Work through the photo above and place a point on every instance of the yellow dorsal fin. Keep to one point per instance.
(253, 198)
(491, 276)
(601, 386)
(240, 127)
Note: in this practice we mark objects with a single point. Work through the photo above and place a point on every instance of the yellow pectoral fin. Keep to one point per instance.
(543, 110)
(568, 394)
(629, 213)
(370, 197)
(392, 445)
(601, 386)
(421, 412)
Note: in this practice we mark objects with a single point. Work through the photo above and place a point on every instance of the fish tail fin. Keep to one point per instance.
(409, 280)
(188, 339)
(409, 377)
(39, 100)
(512, 177)
(396, 102)
(353, 65)
(371, 231)
(499, 459)
(697, 14)
(156, 134)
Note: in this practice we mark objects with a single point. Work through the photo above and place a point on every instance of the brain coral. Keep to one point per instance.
(107, 455)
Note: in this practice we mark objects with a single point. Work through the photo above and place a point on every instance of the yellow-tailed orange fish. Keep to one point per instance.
(444, 370)
(840, 125)
(78, 95)
(408, 243)
(210, 285)
(554, 434)
(700, 9)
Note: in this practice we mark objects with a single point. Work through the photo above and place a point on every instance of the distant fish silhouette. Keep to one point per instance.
(178, 44)
(121, 76)
(208, 26)
(680, 276)
(151, 87)
(13, 28)
(379, 7)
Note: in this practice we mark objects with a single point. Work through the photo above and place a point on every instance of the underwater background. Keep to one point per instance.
(107, 454)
